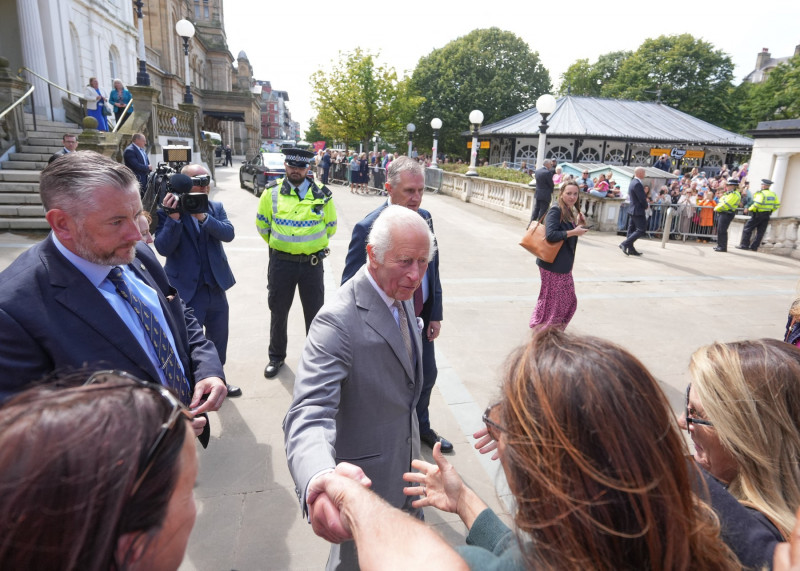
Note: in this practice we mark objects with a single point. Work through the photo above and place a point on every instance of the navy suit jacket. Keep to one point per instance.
(182, 245)
(52, 318)
(357, 257)
(544, 184)
(637, 198)
(133, 160)
(58, 154)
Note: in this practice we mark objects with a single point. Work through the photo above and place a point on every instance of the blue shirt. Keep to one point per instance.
(97, 274)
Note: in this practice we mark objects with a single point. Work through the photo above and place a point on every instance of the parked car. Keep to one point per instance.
(261, 170)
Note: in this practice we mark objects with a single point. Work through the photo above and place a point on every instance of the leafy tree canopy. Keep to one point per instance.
(490, 69)
(689, 73)
(583, 78)
(357, 96)
(777, 98)
(313, 133)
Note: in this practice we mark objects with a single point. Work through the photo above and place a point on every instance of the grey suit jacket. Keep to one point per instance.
(355, 394)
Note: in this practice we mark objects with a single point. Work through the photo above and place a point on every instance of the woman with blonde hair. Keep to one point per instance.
(743, 415)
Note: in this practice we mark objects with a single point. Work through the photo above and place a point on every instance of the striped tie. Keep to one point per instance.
(158, 337)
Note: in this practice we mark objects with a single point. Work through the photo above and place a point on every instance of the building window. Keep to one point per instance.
(589, 155)
(615, 157)
(201, 9)
(640, 158)
(113, 62)
(526, 153)
(560, 154)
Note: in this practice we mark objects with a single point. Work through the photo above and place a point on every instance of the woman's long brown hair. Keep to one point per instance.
(597, 465)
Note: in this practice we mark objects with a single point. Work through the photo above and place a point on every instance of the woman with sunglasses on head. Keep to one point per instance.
(96, 477)
(743, 415)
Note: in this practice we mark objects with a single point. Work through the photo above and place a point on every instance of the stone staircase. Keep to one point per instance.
(20, 206)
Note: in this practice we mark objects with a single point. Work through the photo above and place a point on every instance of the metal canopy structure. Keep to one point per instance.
(616, 120)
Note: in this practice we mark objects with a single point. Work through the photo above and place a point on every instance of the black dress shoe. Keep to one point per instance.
(234, 391)
(633, 252)
(624, 249)
(272, 369)
(741, 248)
(431, 438)
(718, 249)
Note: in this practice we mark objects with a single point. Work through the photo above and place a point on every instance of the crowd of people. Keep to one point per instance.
(99, 465)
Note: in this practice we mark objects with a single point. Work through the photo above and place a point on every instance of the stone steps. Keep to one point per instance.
(20, 204)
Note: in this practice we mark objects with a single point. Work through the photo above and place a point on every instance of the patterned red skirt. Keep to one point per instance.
(557, 301)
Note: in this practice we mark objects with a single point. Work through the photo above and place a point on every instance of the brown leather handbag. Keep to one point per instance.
(536, 243)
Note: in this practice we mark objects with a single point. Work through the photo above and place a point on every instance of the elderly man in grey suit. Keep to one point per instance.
(360, 376)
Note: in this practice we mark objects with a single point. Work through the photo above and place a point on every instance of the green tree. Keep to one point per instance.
(777, 98)
(313, 133)
(583, 78)
(358, 96)
(491, 70)
(686, 72)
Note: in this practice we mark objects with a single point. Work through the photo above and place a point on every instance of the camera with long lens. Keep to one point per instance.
(166, 178)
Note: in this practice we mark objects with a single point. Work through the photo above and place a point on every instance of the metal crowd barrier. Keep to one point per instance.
(339, 174)
(688, 222)
(433, 179)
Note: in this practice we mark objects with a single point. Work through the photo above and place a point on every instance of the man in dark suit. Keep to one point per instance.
(136, 159)
(70, 146)
(405, 186)
(637, 221)
(544, 188)
(196, 262)
(360, 376)
(326, 165)
(93, 295)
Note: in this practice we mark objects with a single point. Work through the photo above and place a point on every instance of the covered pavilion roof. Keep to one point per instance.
(616, 119)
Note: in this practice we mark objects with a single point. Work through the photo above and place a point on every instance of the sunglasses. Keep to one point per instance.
(492, 427)
(690, 411)
(177, 410)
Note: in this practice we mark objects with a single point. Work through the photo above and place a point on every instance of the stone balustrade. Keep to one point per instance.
(516, 200)
(183, 126)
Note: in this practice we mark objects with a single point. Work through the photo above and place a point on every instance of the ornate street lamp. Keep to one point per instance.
(475, 120)
(410, 128)
(545, 105)
(185, 30)
(142, 77)
(436, 124)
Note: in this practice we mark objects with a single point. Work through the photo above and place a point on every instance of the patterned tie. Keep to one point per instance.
(401, 312)
(158, 337)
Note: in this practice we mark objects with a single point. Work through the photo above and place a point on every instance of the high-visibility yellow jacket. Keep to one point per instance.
(765, 201)
(729, 202)
(296, 226)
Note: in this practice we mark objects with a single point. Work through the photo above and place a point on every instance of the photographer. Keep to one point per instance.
(196, 263)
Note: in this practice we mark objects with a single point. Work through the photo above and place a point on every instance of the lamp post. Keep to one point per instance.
(410, 128)
(375, 140)
(545, 105)
(475, 120)
(436, 124)
(142, 77)
(185, 30)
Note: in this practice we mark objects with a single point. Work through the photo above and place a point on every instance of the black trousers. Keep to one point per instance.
(725, 219)
(540, 208)
(283, 277)
(637, 223)
(429, 374)
(758, 222)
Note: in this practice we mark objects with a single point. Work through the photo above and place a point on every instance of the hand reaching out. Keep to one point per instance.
(486, 443)
(441, 486)
(325, 497)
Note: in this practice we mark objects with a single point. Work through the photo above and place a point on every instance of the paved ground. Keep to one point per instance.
(661, 306)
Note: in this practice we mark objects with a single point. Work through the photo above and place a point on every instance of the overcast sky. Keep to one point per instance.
(288, 42)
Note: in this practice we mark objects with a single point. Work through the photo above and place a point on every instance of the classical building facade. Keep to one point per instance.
(68, 41)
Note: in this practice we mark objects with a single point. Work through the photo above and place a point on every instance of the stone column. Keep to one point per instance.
(779, 174)
(145, 119)
(33, 50)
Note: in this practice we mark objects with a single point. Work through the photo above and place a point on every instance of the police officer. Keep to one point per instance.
(765, 202)
(296, 217)
(727, 210)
